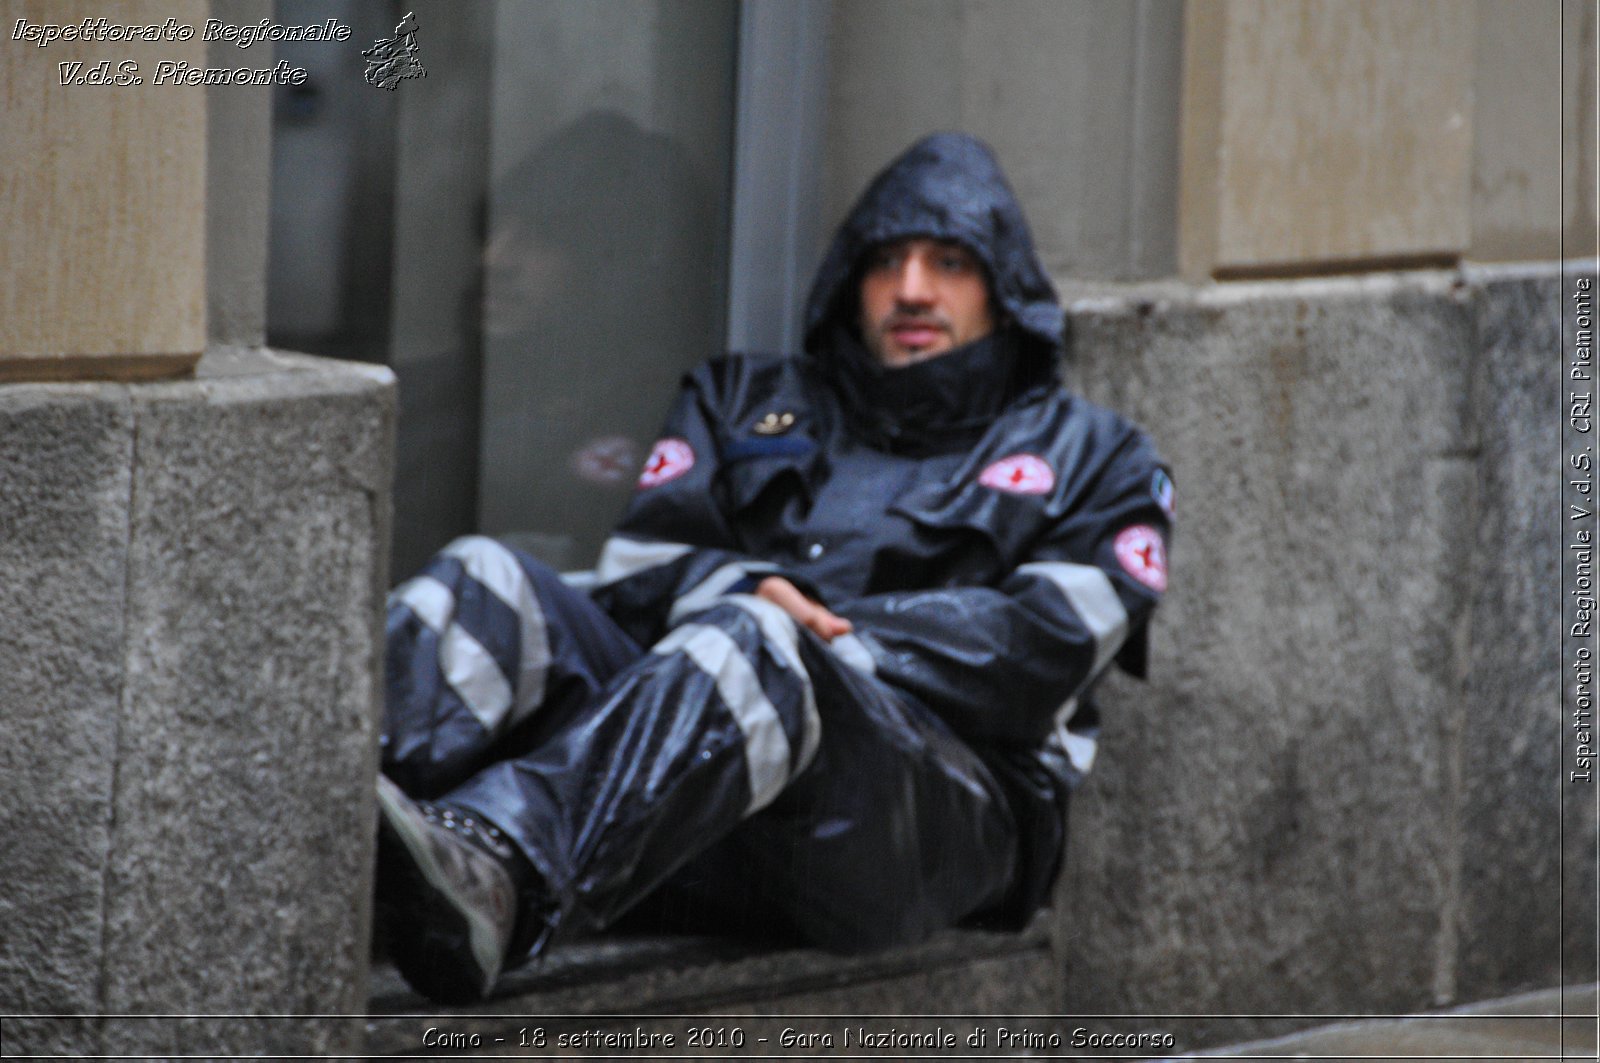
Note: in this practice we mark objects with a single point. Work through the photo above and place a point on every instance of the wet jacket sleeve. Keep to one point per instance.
(1008, 663)
(673, 552)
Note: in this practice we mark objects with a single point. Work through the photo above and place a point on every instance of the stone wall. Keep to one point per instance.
(1338, 791)
(191, 579)
(1517, 806)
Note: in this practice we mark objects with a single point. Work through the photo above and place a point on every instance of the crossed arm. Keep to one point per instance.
(824, 624)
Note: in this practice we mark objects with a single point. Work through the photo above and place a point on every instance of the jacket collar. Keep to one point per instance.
(940, 405)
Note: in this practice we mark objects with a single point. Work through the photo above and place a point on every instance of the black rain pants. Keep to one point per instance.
(739, 761)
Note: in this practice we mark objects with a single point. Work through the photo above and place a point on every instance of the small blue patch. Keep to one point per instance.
(1161, 488)
(768, 447)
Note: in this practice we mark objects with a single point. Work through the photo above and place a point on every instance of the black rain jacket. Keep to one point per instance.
(996, 541)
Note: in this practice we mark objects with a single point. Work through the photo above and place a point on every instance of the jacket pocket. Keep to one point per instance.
(1008, 522)
(757, 471)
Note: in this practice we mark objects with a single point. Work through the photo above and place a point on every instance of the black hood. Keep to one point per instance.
(947, 186)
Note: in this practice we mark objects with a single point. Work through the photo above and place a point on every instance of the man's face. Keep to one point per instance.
(921, 298)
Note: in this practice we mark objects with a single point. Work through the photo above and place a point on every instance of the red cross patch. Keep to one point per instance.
(669, 459)
(1021, 474)
(1144, 556)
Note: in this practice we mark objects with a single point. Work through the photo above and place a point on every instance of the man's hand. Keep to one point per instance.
(787, 596)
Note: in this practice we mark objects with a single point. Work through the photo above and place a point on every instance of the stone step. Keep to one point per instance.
(1543, 1025)
(656, 984)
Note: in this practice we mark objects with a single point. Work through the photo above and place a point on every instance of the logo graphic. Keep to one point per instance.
(1143, 556)
(606, 460)
(1020, 474)
(392, 60)
(669, 459)
(774, 424)
(1161, 488)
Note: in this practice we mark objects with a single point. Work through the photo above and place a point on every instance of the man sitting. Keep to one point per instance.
(833, 676)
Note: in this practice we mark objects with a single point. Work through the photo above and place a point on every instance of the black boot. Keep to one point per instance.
(449, 889)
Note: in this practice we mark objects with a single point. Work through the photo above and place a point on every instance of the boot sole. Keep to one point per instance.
(441, 949)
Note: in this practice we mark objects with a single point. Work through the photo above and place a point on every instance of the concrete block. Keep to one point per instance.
(63, 546)
(1511, 919)
(1270, 828)
(240, 870)
(235, 613)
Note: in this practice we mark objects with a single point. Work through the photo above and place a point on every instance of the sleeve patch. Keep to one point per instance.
(1020, 474)
(1143, 556)
(669, 459)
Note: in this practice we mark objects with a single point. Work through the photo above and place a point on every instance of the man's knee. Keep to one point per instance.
(749, 620)
(748, 649)
(468, 657)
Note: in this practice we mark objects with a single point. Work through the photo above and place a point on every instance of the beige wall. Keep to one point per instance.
(1079, 99)
(1578, 124)
(1322, 133)
(1232, 138)
(1315, 134)
(238, 187)
(1533, 143)
(1358, 134)
(102, 188)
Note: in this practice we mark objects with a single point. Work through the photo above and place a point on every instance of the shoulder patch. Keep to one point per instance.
(669, 459)
(1143, 555)
(1019, 474)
